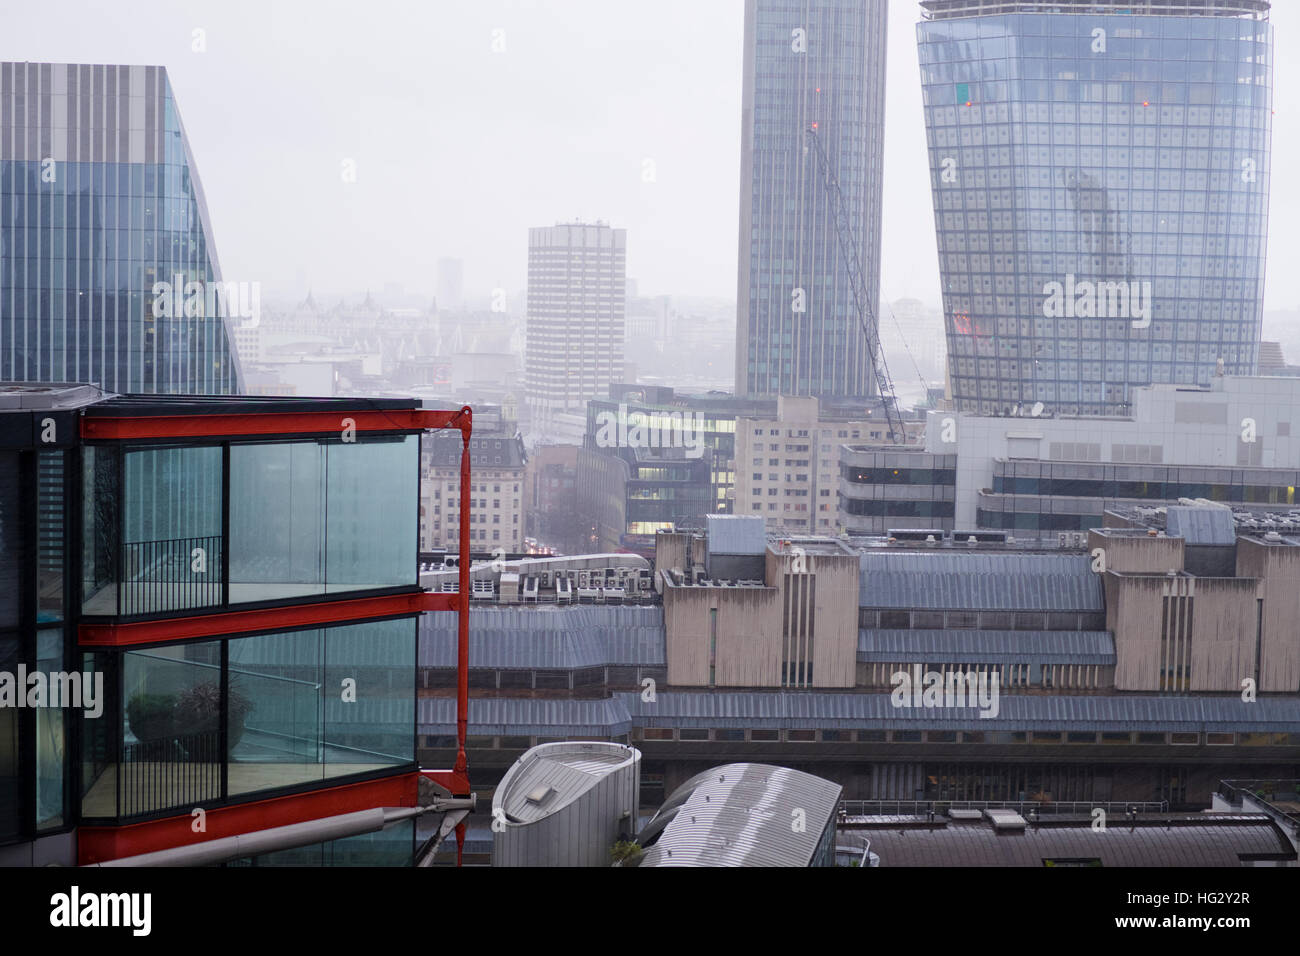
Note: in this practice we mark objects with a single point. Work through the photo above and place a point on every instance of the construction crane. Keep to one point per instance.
(862, 302)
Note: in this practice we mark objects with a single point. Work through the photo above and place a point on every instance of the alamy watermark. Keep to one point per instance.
(74, 690)
(953, 688)
(1085, 299)
(196, 300)
(626, 429)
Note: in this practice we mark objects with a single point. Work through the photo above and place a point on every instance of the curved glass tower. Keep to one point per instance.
(1100, 174)
(99, 203)
(823, 62)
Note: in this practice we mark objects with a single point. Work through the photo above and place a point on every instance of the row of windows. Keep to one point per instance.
(985, 96)
(1148, 490)
(899, 476)
(897, 509)
(895, 619)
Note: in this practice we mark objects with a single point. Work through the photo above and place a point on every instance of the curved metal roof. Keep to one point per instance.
(743, 814)
(560, 773)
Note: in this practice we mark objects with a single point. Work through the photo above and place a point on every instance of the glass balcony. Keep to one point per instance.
(187, 527)
(285, 710)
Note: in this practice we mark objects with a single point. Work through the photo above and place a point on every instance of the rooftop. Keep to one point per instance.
(551, 776)
(1182, 840)
(740, 815)
(952, 9)
(1209, 523)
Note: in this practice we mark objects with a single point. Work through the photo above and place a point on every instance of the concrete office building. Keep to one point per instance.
(577, 294)
(797, 327)
(1038, 477)
(1100, 175)
(108, 269)
(789, 465)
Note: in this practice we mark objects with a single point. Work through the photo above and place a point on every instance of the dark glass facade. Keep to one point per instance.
(1100, 187)
(808, 61)
(244, 606)
(99, 202)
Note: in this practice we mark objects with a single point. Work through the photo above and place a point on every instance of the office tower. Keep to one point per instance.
(1100, 186)
(450, 284)
(797, 329)
(105, 237)
(577, 293)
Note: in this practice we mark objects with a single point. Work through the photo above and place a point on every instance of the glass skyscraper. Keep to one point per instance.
(100, 204)
(823, 62)
(1100, 174)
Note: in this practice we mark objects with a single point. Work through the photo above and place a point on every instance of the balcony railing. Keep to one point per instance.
(180, 771)
(170, 575)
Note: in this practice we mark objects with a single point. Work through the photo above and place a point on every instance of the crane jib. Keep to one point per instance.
(861, 300)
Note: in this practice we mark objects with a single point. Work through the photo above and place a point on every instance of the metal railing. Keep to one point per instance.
(1269, 792)
(180, 771)
(922, 808)
(162, 575)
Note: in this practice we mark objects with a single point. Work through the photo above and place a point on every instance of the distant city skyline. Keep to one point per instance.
(457, 150)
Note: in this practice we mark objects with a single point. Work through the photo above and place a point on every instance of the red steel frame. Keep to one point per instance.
(456, 780)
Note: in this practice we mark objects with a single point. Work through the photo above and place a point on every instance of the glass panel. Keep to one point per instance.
(171, 529)
(171, 752)
(370, 723)
(100, 536)
(99, 745)
(11, 543)
(10, 789)
(277, 531)
(170, 536)
(276, 711)
(50, 507)
(373, 511)
(51, 737)
(321, 703)
(311, 517)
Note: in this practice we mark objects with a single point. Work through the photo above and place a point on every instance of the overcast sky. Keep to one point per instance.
(459, 149)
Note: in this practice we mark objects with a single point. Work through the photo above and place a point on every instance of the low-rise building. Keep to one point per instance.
(499, 462)
(1044, 476)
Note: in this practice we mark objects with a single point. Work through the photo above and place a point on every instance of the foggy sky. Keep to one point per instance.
(459, 149)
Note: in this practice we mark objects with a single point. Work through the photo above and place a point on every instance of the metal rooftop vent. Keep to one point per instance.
(538, 797)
